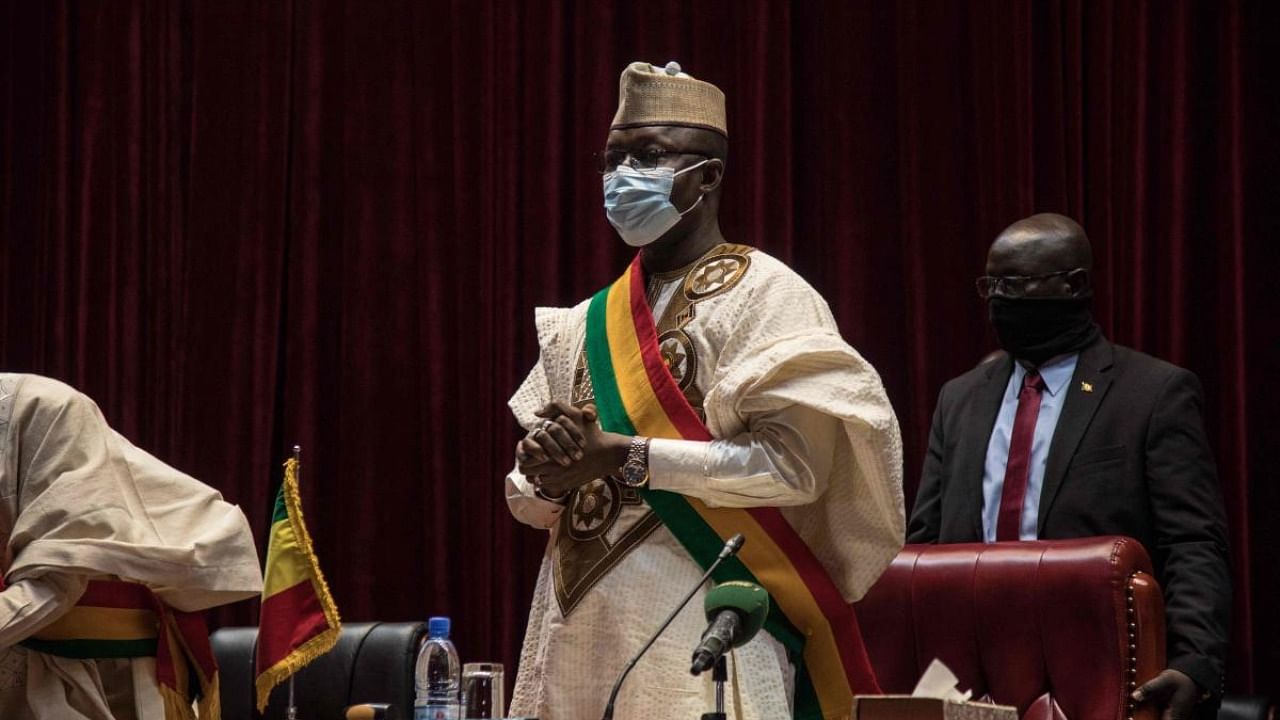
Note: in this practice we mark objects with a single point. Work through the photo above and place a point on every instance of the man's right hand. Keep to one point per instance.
(1173, 692)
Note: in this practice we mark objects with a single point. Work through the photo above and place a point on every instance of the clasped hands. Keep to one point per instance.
(569, 449)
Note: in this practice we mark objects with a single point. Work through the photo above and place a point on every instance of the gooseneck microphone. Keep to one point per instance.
(730, 549)
(736, 611)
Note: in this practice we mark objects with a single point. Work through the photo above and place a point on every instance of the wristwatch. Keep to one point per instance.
(634, 472)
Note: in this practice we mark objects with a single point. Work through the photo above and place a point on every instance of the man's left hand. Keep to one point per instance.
(1173, 692)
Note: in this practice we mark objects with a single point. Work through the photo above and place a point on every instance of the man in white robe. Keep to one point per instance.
(79, 503)
(800, 420)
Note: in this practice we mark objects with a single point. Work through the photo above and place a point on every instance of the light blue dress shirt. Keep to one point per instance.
(1056, 374)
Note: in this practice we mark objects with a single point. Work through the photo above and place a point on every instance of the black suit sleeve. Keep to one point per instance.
(926, 516)
(1190, 527)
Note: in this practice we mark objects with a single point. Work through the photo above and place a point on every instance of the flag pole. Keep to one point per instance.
(292, 712)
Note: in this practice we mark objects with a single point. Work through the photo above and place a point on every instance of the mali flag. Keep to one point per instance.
(299, 620)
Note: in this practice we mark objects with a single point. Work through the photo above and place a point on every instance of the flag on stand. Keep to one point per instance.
(298, 621)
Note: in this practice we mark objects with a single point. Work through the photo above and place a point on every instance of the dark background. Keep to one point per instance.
(241, 225)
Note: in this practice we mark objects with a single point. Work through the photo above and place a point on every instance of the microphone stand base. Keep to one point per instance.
(714, 716)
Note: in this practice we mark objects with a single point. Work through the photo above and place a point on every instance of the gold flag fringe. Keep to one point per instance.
(177, 705)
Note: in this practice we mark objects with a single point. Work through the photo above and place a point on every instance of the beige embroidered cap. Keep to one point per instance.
(649, 95)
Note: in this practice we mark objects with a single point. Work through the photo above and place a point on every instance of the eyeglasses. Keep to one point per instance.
(608, 160)
(1012, 285)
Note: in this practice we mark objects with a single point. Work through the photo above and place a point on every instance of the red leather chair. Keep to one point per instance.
(1058, 629)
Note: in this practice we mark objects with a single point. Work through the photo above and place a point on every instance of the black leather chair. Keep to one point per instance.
(1246, 707)
(372, 663)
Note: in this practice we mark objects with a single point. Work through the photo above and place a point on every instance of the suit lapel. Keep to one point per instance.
(971, 449)
(1089, 385)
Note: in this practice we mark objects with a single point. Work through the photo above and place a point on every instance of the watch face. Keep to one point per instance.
(634, 473)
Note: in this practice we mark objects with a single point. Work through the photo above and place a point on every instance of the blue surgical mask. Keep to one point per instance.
(638, 202)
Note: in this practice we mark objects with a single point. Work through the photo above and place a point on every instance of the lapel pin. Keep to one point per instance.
(1087, 387)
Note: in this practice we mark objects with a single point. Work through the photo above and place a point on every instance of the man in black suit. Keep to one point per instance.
(1068, 435)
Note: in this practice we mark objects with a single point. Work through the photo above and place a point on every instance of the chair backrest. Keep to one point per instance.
(372, 662)
(1246, 707)
(1057, 628)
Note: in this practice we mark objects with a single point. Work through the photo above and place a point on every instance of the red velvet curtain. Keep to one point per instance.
(245, 225)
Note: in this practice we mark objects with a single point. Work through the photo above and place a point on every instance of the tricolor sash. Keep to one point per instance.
(636, 395)
(116, 619)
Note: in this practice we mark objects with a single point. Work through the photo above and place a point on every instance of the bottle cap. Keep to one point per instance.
(438, 627)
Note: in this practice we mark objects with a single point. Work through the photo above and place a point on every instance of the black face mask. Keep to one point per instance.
(1038, 328)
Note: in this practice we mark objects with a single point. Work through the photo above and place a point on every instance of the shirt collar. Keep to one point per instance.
(1056, 373)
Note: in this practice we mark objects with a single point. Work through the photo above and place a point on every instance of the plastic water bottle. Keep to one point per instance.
(437, 675)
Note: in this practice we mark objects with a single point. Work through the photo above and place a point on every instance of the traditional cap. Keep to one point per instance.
(649, 95)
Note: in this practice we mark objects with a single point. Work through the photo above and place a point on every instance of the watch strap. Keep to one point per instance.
(639, 451)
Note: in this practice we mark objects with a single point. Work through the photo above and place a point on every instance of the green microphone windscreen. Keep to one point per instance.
(748, 598)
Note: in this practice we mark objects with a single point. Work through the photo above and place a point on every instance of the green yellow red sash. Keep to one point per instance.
(636, 395)
(115, 619)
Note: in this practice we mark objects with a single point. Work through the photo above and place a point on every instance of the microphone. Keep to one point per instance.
(730, 549)
(736, 611)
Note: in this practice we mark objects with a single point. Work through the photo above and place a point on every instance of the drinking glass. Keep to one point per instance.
(482, 691)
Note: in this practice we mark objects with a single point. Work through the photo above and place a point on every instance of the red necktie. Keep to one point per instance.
(1017, 468)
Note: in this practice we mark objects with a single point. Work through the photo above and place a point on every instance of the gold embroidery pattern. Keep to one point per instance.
(679, 356)
(578, 566)
(718, 272)
(594, 509)
(583, 391)
(583, 553)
